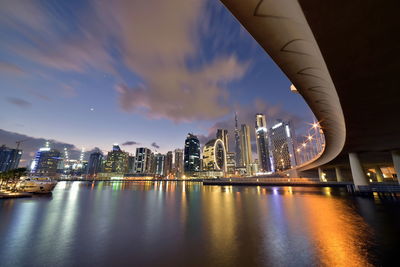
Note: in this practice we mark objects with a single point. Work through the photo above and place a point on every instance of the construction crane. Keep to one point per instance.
(20, 141)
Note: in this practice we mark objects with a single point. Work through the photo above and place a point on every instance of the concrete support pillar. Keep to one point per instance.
(379, 174)
(396, 163)
(357, 170)
(320, 174)
(339, 176)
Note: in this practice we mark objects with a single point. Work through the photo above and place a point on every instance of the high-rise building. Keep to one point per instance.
(282, 146)
(9, 158)
(178, 163)
(143, 162)
(246, 147)
(46, 161)
(168, 163)
(131, 164)
(264, 163)
(117, 160)
(230, 163)
(95, 163)
(192, 155)
(214, 156)
(238, 147)
(223, 135)
(160, 164)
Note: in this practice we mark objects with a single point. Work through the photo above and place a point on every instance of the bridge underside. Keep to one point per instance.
(357, 44)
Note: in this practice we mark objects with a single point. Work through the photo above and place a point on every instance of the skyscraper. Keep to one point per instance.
(192, 155)
(159, 164)
(230, 163)
(46, 161)
(264, 163)
(214, 156)
(117, 160)
(223, 135)
(246, 147)
(238, 147)
(282, 146)
(143, 162)
(178, 163)
(168, 163)
(95, 163)
(9, 158)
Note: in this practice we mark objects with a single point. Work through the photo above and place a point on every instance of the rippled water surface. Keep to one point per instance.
(183, 223)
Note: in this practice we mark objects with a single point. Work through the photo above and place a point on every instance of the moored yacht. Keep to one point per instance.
(41, 185)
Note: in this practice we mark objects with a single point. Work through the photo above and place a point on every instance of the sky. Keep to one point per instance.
(91, 73)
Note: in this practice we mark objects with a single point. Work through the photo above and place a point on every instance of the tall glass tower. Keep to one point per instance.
(192, 155)
(262, 143)
(238, 147)
(246, 147)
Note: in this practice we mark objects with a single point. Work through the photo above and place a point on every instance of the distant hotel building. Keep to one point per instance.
(143, 163)
(230, 163)
(168, 171)
(9, 158)
(246, 147)
(117, 161)
(192, 155)
(238, 147)
(46, 161)
(264, 162)
(282, 146)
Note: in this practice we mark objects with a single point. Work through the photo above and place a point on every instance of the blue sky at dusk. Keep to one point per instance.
(94, 73)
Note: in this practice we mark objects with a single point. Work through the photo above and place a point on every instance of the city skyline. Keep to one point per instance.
(65, 99)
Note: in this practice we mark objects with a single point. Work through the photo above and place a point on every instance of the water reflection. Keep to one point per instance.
(170, 224)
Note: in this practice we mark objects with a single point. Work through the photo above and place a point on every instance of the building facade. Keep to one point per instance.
(159, 160)
(143, 162)
(224, 136)
(214, 156)
(178, 163)
(169, 164)
(191, 155)
(230, 163)
(46, 161)
(246, 147)
(117, 161)
(9, 158)
(238, 146)
(261, 133)
(95, 163)
(282, 146)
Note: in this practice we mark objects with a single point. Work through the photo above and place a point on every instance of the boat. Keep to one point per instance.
(41, 185)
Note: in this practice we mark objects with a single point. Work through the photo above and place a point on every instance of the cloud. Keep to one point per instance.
(130, 143)
(19, 102)
(10, 68)
(158, 41)
(32, 144)
(154, 144)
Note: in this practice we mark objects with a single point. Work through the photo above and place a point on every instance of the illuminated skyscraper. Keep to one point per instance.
(143, 162)
(246, 147)
(230, 163)
(223, 135)
(192, 155)
(9, 158)
(238, 147)
(214, 156)
(117, 160)
(178, 163)
(46, 161)
(282, 146)
(264, 163)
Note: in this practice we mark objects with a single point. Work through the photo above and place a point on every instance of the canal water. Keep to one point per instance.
(188, 224)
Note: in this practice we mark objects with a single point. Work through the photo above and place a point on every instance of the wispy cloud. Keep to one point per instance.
(130, 143)
(19, 102)
(10, 68)
(154, 144)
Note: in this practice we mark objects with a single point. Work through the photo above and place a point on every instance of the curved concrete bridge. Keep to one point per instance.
(343, 59)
